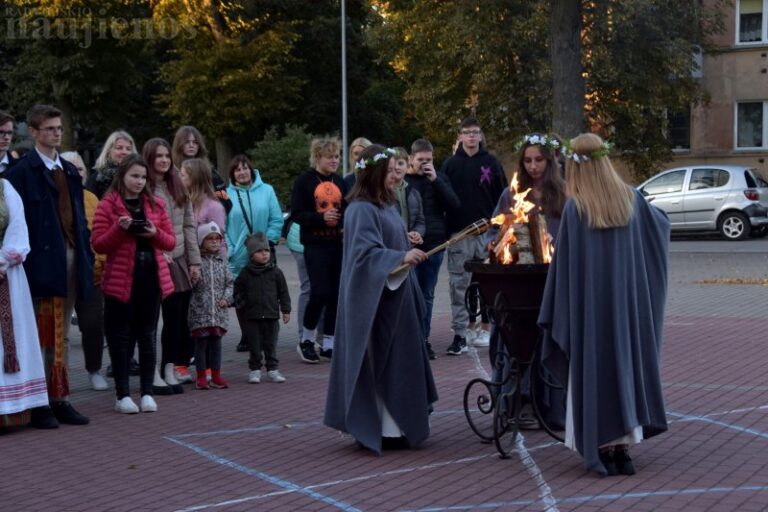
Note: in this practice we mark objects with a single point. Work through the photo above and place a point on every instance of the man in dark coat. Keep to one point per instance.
(60, 263)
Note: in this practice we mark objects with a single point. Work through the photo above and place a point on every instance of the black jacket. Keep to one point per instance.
(436, 198)
(261, 292)
(478, 180)
(307, 207)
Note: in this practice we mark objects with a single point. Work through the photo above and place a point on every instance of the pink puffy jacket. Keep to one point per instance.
(107, 237)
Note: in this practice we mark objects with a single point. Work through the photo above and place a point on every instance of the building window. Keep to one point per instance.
(750, 21)
(750, 124)
(679, 134)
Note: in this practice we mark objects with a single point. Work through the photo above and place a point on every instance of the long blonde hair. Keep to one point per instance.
(200, 180)
(598, 191)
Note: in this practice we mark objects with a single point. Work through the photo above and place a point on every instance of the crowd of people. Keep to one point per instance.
(159, 232)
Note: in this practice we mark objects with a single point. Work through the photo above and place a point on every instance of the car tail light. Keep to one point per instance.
(752, 194)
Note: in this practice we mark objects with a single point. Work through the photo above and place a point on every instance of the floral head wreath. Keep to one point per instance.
(385, 155)
(551, 143)
(603, 151)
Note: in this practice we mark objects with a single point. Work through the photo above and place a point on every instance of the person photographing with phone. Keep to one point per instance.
(132, 228)
(437, 196)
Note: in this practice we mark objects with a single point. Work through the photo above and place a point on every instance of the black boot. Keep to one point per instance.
(624, 462)
(608, 459)
(430, 352)
(67, 414)
(42, 417)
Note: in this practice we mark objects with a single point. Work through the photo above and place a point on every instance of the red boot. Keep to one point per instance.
(216, 381)
(202, 382)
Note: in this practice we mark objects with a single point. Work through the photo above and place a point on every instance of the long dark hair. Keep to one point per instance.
(552, 185)
(171, 178)
(118, 183)
(370, 182)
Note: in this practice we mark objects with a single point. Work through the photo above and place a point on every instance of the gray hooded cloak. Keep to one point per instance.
(602, 315)
(379, 347)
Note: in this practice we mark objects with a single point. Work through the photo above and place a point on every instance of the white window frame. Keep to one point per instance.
(763, 26)
(736, 146)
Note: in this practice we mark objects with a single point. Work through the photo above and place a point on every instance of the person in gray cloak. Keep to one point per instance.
(381, 386)
(603, 310)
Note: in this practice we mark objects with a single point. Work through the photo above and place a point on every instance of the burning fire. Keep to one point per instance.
(505, 248)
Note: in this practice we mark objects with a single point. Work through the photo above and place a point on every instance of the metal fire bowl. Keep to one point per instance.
(523, 285)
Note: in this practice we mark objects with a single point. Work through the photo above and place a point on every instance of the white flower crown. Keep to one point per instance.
(550, 143)
(387, 154)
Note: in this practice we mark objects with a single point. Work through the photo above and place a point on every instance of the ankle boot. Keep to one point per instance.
(216, 381)
(607, 457)
(624, 462)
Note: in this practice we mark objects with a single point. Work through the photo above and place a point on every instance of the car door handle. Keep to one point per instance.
(718, 198)
(675, 202)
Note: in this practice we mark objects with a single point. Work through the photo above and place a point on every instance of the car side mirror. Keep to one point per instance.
(642, 191)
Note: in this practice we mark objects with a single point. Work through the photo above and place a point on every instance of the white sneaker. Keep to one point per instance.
(97, 381)
(148, 404)
(126, 406)
(276, 376)
(254, 377)
(482, 339)
(469, 335)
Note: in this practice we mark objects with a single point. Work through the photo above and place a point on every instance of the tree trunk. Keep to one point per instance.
(223, 157)
(68, 122)
(565, 56)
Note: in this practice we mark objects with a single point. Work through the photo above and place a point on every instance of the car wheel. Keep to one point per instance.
(734, 226)
(759, 232)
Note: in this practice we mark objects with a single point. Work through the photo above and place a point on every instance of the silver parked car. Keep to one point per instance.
(729, 199)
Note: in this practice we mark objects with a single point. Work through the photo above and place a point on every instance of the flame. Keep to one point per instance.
(518, 214)
(548, 250)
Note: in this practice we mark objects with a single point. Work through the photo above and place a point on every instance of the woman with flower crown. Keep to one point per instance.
(537, 170)
(381, 388)
(603, 310)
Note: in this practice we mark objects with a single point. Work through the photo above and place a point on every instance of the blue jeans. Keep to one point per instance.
(427, 274)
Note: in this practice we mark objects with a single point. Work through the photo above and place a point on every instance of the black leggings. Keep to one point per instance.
(207, 353)
(177, 344)
(134, 321)
(324, 270)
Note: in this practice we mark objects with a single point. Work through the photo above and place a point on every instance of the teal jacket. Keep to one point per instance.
(256, 205)
(293, 240)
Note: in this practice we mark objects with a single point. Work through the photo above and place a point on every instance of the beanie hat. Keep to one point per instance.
(256, 242)
(204, 230)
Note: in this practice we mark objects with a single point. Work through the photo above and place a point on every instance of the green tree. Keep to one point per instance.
(280, 157)
(615, 66)
(90, 59)
(229, 74)
(459, 57)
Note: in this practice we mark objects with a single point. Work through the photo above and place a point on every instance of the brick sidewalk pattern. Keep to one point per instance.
(263, 446)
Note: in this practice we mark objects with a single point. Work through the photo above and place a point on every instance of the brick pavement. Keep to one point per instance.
(262, 447)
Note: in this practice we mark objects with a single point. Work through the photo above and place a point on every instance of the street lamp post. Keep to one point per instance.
(344, 144)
